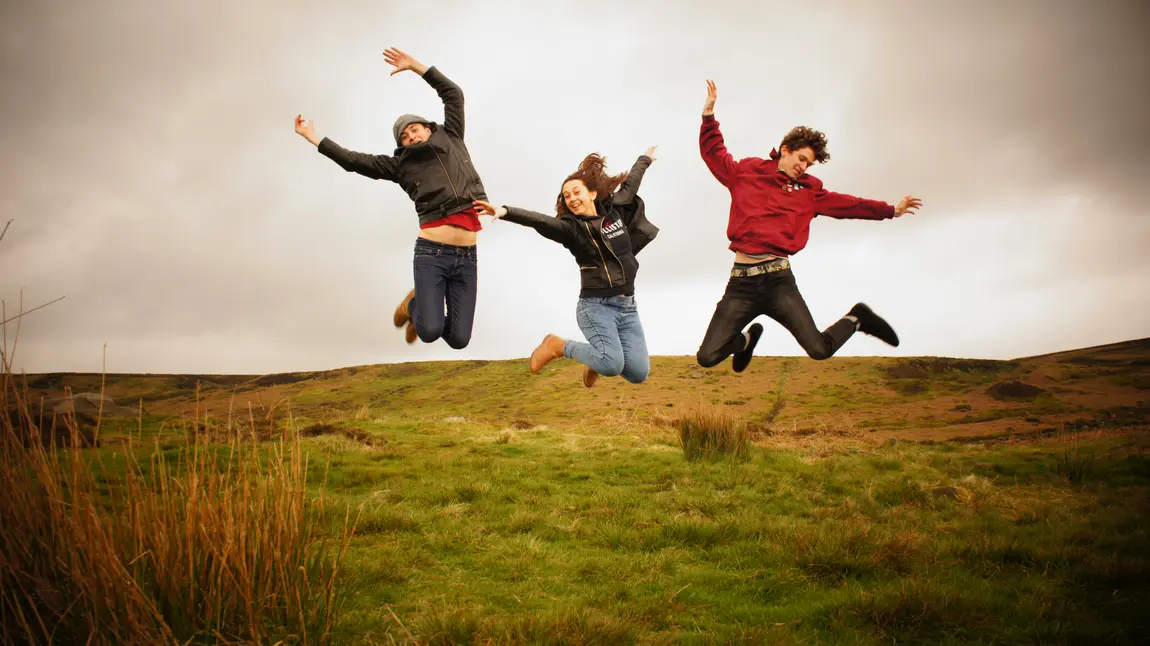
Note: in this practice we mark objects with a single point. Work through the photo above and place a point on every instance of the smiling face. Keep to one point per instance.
(800, 149)
(415, 133)
(578, 199)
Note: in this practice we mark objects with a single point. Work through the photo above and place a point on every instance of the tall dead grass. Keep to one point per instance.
(710, 433)
(201, 542)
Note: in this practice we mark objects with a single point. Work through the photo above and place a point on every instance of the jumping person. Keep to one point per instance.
(603, 228)
(772, 204)
(432, 165)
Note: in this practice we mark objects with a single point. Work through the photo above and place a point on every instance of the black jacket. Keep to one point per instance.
(604, 246)
(436, 174)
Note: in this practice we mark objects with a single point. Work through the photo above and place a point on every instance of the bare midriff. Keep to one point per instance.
(448, 234)
(744, 259)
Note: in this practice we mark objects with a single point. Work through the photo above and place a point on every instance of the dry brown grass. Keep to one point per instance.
(202, 542)
(828, 436)
(711, 432)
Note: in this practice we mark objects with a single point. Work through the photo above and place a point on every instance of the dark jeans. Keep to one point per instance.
(445, 275)
(777, 296)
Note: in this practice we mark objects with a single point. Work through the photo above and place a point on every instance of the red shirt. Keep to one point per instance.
(770, 212)
(466, 219)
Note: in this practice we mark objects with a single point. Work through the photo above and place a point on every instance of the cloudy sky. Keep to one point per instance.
(153, 175)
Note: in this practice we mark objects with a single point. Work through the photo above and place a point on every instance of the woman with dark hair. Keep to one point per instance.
(600, 219)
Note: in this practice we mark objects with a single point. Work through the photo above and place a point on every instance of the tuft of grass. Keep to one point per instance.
(917, 611)
(385, 519)
(1076, 465)
(200, 542)
(711, 433)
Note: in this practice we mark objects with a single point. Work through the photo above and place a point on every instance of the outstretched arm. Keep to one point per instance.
(711, 145)
(549, 227)
(849, 207)
(450, 93)
(630, 186)
(373, 166)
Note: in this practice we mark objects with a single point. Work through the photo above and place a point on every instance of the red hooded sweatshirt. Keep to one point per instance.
(770, 212)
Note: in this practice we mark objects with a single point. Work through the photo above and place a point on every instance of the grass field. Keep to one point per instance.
(864, 501)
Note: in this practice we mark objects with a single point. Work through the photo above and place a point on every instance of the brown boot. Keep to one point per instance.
(589, 377)
(402, 316)
(551, 348)
(410, 334)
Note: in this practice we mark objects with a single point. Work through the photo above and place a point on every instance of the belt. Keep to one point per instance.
(761, 268)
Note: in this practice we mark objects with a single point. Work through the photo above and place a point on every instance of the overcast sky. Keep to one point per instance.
(151, 167)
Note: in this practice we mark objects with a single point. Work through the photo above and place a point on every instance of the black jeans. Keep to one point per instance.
(776, 295)
(444, 275)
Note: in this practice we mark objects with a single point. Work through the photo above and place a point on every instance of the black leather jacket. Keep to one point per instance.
(436, 174)
(604, 246)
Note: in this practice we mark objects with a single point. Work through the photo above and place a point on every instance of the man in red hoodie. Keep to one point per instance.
(772, 204)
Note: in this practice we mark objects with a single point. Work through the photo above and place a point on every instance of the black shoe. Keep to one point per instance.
(742, 358)
(873, 324)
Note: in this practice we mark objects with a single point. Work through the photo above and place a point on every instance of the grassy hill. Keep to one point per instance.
(909, 500)
(916, 398)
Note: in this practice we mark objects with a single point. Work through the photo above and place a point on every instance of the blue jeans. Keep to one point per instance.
(445, 275)
(616, 345)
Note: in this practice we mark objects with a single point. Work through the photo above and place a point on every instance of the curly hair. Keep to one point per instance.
(592, 172)
(802, 137)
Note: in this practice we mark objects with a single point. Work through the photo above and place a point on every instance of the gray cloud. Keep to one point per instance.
(154, 178)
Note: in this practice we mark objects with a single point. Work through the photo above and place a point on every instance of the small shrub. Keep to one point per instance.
(1076, 466)
(711, 433)
(1014, 391)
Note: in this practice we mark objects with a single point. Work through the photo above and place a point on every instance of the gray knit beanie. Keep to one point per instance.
(405, 121)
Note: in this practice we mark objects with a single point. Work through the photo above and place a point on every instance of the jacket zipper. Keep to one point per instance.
(448, 175)
(610, 283)
(622, 270)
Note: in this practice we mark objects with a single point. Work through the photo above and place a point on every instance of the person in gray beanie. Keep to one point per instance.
(433, 166)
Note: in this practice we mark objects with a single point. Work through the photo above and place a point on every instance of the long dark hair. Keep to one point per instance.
(593, 173)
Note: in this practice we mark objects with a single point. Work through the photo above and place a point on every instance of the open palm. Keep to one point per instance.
(712, 95)
(909, 204)
(400, 60)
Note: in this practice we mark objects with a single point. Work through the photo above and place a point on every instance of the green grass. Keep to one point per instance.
(558, 515)
(473, 533)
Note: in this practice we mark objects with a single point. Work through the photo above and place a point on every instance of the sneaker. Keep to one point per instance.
(873, 324)
(742, 358)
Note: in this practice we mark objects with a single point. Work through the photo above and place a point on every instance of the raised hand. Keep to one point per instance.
(712, 94)
(486, 208)
(651, 152)
(403, 61)
(909, 204)
(306, 129)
